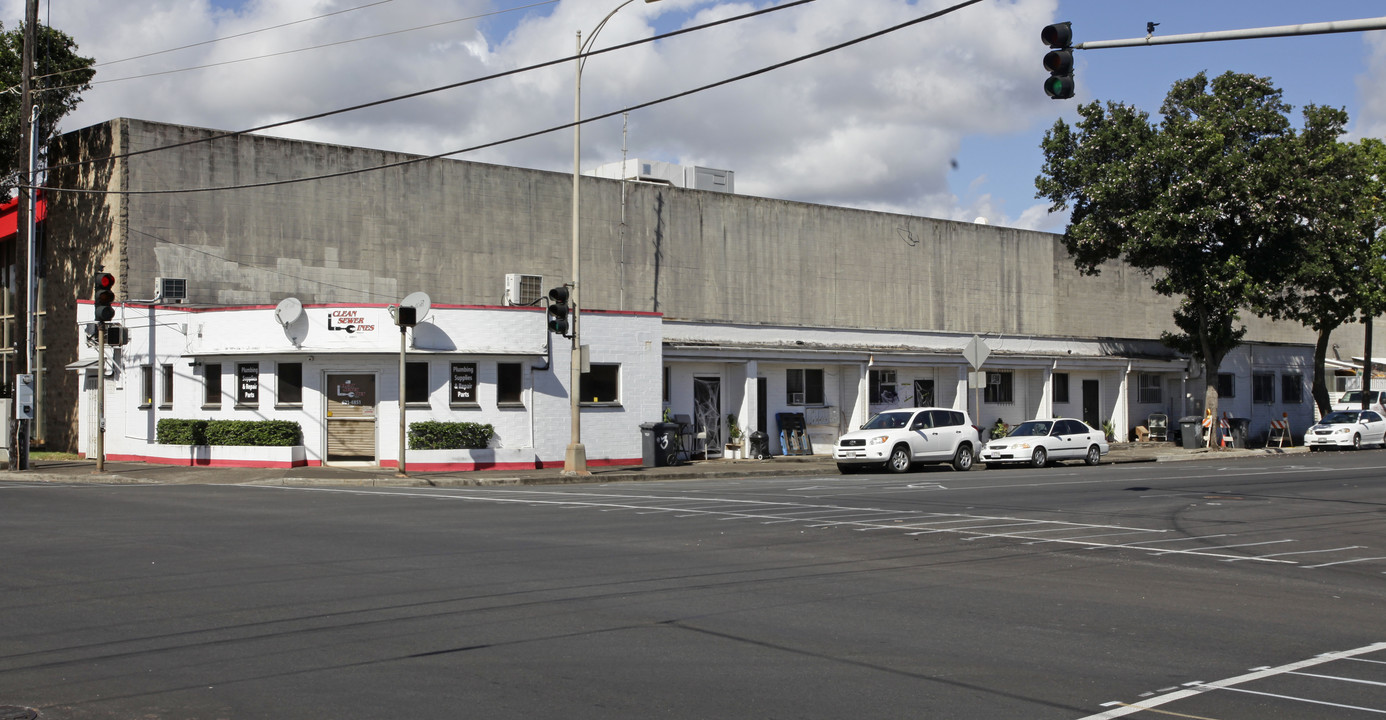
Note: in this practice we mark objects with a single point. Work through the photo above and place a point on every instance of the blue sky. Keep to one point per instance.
(943, 119)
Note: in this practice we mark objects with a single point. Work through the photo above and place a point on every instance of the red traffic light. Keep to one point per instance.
(1058, 35)
(104, 297)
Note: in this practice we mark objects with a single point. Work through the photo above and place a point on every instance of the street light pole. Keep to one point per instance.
(575, 459)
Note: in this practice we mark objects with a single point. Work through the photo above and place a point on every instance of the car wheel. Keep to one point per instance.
(1040, 458)
(1356, 442)
(899, 459)
(847, 468)
(1094, 456)
(962, 460)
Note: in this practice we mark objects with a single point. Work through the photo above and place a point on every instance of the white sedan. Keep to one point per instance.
(1040, 442)
(1347, 429)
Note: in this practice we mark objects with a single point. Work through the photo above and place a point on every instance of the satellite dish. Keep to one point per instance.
(420, 302)
(288, 310)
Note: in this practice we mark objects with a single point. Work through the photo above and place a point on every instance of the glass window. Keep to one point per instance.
(666, 383)
(1227, 386)
(289, 383)
(211, 384)
(1060, 387)
(1148, 389)
(804, 387)
(1292, 389)
(883, 388)
(416, 382)
(601, 385)
(999, 388)
(462, 384)
(248, 384)
(146, 385)
(509, 383)
(166, 386)
(1263, 387)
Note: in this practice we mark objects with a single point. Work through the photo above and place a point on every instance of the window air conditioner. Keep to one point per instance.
(523, 289)
(171, 289)
(796, 398)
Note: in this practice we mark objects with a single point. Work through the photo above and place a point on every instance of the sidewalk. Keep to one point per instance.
(84, 471)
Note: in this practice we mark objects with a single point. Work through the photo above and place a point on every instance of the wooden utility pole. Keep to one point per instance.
(23, 253)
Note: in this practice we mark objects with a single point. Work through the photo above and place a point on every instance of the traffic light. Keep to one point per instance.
(1059, 60)
(117, 335)
(104, 297)
(559, 310)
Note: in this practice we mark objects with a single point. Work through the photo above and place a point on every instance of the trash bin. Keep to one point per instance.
(1241, 431)
(1191, 432)
(659, 444)
(759, 447)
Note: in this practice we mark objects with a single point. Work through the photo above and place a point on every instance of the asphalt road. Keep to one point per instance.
(1246, 589)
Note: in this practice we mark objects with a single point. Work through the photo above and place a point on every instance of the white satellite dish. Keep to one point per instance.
(420, 302)
(288, 310)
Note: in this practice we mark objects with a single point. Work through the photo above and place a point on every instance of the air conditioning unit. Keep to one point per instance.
(796, 398)
(173, 290)
(523, 289)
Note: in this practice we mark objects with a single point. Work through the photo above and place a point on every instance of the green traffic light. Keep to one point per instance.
(1059, 87)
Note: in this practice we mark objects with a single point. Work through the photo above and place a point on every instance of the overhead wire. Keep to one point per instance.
(429, 91)
(524, 136)
(324, 45)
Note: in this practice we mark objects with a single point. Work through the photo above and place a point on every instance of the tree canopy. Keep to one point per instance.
(1200, 201)
(60, 77)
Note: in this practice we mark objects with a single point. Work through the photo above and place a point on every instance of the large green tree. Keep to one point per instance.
(1335, 273)
(1198, 201)
(60, 77)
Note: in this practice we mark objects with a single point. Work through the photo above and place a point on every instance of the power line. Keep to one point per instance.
(429, 91)
(243, 34)
(213, 40)
(324, 45)
(515, 138)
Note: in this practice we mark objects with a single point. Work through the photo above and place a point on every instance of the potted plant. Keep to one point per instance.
(734, 433)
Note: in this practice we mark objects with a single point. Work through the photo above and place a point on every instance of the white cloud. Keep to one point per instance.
(874, 126)
(1371, 89)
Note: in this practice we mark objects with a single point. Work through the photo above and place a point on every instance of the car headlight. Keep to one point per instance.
(1343, 430)
(879, 439)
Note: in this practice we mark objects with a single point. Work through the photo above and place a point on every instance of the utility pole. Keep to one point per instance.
(23, 248)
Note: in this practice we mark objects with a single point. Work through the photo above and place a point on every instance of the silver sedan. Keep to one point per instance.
(1040, 442)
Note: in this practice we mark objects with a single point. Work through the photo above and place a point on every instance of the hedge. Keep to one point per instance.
(434, 435)
(274, 433)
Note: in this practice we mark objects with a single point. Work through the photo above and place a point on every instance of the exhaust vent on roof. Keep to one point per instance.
(523, 289)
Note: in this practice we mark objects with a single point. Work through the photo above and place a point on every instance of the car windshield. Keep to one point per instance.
(1032, 427)
(1341, 417)
(1355, 397)
(888, 421)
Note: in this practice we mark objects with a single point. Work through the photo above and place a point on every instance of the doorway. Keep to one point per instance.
(924, 393)
(350, 414)
(707, 412)
(1092, 404)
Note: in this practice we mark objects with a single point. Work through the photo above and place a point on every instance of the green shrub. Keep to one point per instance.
(261, 433)
(172, 431)
(434, 435)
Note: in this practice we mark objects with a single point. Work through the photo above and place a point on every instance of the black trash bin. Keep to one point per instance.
(1191, 432)
(659, 444)
(759, 447)
(1241, 431)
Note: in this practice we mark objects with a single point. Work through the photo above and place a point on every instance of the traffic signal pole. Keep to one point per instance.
(1323, 28)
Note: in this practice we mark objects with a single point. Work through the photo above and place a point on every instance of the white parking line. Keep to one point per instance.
(1345, 562)
(1196, 688)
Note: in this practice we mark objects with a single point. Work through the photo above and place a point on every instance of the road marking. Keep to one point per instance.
(1196, 688)
(1335, 677)
(821, 516)
(1345, 562)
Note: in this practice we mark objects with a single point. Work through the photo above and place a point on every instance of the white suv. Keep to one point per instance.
(898, 439)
